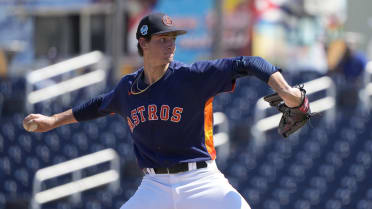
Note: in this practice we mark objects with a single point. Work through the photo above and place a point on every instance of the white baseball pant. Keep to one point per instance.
(197, 189)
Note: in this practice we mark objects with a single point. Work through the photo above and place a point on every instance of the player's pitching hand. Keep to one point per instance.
(38, 123)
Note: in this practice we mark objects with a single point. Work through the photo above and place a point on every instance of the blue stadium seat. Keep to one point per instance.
(288, 183)
(6, 166)
(43, 153)
(92, 131)
(365, 158)
(333, 204)
(268, 171)
(93, 204)
(319, 134)
(70, 151)
(64, 133)
(81, 141)
(334, 158)
(5, 88)
(276, 160)
(10, 187)
(15, 154)
(342, 148)
(25, 141)
(105, 198)
(248, 161)
(328, 171)
(304, 159)
(22, 176)
(297, 171)
(95, 147)
(271, 204)
(348, 135)
(53, 141)
(364, 204)
(369, 194)
(59, 159)
(2, 199)
(64, 205)
(313, 148)
(108, 139)
(118, 127)
(283, 147)
(56, 106)
(74, 95)
(252, 195)
(8, 130)
(17, 120)
(350, 183)
(368, 145)
(125, 150)
(344, 195)
(302, 204)
(33, 164)
(259, 183)
(282, 195)
(319, 183)
(103, 122)
(239, 171)
(358, 171)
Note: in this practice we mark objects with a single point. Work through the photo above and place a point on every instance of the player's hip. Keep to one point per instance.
(191, 172)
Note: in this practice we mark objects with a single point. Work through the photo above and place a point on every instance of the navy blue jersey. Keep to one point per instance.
(172, 121)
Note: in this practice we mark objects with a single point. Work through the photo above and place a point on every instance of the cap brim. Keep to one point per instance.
(177, 32)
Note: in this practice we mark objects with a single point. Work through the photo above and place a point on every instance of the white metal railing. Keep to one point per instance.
(263, 123)
(366, 92)
(98, 74)
(221, 139)
(78, 184)
(220, 120)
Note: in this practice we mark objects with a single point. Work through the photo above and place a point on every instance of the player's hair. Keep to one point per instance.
(139, 48)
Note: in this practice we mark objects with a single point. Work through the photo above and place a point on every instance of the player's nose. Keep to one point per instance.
(171, 44)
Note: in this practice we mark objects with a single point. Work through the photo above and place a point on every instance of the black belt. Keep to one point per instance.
(180, 167)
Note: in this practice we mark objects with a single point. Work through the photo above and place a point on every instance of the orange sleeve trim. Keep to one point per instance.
(208, 128)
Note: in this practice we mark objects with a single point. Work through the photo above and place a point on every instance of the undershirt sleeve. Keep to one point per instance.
(101, 105)
(89, 110)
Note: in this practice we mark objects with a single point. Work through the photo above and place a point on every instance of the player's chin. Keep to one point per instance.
(168, 58)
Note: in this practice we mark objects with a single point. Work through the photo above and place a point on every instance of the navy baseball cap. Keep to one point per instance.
(157, 23)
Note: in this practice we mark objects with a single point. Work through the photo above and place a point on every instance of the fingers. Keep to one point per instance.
(28, 118)
(31, 118)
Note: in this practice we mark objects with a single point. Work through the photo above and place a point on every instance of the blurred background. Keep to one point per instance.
(58, 53)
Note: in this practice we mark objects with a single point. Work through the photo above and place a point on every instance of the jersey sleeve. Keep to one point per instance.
(100, 106)
(214, 76)
(219, 75)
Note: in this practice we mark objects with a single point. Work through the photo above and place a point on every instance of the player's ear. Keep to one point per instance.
(142, 42)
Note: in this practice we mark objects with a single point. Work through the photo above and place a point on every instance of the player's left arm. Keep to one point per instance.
(270, 74)
(292, 97)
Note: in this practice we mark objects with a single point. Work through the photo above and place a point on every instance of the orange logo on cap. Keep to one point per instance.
(167, 20)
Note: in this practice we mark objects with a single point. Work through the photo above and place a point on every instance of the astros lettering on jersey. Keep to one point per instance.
(142, 114)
